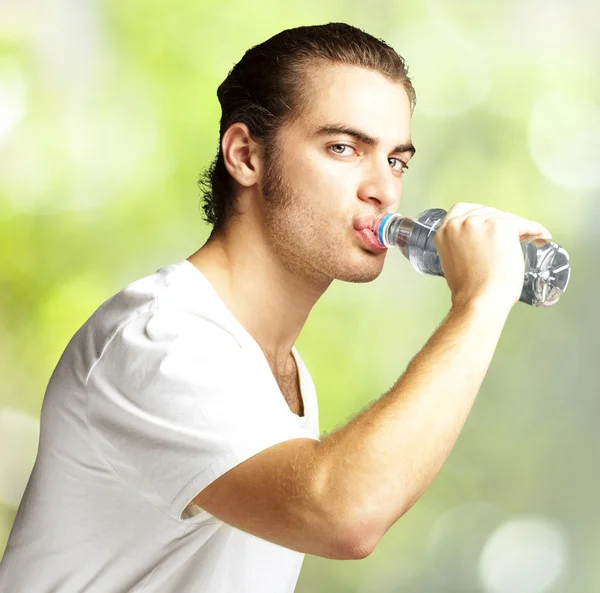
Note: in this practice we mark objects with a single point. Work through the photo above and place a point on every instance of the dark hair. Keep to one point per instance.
(267, 88)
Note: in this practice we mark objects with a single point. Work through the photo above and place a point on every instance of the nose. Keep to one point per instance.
(380, 185)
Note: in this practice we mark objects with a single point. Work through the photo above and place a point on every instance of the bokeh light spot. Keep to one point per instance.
(449, 70)
(524, 555)
(455, 543)
(13, 95)
(563, 138)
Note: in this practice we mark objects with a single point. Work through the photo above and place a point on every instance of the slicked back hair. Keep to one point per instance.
(268, 88)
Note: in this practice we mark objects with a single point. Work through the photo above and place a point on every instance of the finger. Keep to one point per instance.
(484, 213)
(480, 213)
(487, 214)
(462, 208)
(525, 227)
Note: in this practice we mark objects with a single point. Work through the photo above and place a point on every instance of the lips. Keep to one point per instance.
(369, 240)
(365, 221)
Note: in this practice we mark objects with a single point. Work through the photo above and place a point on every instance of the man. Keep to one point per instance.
(179, 447)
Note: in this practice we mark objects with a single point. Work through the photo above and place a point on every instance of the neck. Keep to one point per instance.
(270, 300)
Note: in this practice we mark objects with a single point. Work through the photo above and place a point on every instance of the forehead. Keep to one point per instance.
(362, 98)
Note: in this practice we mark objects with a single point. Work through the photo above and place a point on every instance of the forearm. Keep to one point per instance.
(375, 467)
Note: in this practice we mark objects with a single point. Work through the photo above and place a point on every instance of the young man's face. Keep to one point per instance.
(325, 184)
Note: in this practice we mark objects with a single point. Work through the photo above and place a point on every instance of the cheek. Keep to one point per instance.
(326, 178)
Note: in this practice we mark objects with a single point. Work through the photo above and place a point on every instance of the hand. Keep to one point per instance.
(481, 255)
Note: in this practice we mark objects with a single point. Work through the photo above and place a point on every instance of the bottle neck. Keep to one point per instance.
(393, 230)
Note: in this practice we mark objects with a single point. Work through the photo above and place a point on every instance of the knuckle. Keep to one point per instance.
(453, 223)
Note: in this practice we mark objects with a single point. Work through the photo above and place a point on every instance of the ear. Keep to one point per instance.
(241, 155)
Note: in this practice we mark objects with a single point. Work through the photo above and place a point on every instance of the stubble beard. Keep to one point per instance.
(296, 234)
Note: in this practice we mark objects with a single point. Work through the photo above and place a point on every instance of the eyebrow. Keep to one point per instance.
(333, 129)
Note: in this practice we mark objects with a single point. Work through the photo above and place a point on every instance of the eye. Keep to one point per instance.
(403, 166)
(335, 148)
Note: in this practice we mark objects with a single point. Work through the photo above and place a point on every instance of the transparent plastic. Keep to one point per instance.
(547, 268)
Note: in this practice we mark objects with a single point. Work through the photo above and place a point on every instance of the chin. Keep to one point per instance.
(359, 277)
(362, 271)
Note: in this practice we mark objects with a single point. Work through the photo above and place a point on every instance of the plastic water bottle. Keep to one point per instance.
(547, 268)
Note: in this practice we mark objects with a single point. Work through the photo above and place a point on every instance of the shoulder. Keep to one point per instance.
(169, 333)
(173, 306)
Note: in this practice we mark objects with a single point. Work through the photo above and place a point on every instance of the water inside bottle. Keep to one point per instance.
(422, 251)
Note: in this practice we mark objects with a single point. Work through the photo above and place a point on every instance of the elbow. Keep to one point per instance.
(372, 519)
(359, 532)
(357, 549)
(338, 534)
(353, 538)
(350, 524)
(354, 543)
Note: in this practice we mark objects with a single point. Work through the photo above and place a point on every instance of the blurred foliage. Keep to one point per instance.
(108, 112)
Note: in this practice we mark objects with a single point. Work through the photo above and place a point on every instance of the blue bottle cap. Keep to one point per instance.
(382, 226)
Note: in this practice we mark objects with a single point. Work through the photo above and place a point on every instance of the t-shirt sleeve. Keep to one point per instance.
(174, 402)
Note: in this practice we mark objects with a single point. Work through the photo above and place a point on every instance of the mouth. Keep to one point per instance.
(369, 240)
(363, 227)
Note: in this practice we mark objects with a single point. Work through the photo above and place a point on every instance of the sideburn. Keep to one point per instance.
(275, 189)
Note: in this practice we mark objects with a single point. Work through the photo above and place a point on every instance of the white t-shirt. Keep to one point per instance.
(158, 394)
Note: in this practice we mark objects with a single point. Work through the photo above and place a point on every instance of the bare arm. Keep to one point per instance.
(383, 460)
(337, 498)
(380, 463)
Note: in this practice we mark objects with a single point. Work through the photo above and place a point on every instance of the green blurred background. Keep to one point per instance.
(108, 112)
